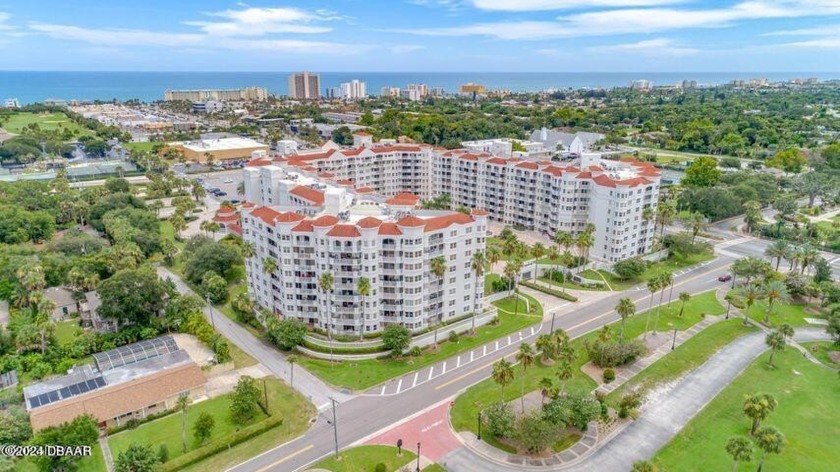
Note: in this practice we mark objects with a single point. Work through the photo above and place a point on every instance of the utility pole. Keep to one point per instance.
(335, 426)
(210, 309)
(674, 343)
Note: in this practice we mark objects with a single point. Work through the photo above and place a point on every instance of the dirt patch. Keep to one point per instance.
(655, 340)
(597, 373)
(198, 352)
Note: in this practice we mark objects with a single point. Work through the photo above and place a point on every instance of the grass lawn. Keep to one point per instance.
(365, 458)
(494, 241)
(144, 146)
(791, 313)
(685, 358)
(65, 331)
(434, 468)
(820, 350)
(361, 375)
(295, 410)
(93, 463)
(487, 392)
(806, 414)
(46, 121)
(489, 278)
(668, 265)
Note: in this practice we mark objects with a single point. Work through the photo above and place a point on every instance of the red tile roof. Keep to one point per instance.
(289, 217)
(310, 169)
(410, 221)
(364, 190)
(326, 175)
(528, 165)
(345, 182)
(305, 225)
(497, 161)
(369, 222)
(344, 231)
(553, 170)
(233, 227)
(310, 194)
(266, 214)
(397, 148)
(326, 220)
(362, 133)
(226, 218)
(389, 229)
(604, 181)
(469, 157)
(403, 199)
(248, 205)
(258, 163)
(479, 212)
(586, 175)
(441, 222)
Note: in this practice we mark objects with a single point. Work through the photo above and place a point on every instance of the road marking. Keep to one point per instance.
(399, 386)
(431, 371)
(532, 330)
(383, 390)
(509, 341)
(327, 404)
(485, 350)
(458, 362)
(444, 368)
(520, 336)
(290, 456)
(477, 369)
(414, 384)
(472, 356)
(433, 425)
(497, 345)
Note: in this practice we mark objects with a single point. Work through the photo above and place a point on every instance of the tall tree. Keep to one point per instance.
(502, 374)
(525, 357)
(776, 342)
(774, 291)
(684, 298)
(538, 251)
(625, 308)
(564, 373)
(702, 172)
(665, 280)
(771, 441)
(653, 287)
(363, 289)
(778, 250)
(477, 264)
(758, 407)
(181, 405)
(740, 449)
(136, 458)
(325, 283)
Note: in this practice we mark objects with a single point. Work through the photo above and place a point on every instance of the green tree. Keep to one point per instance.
(534, 433)
(748, 295)
(342, 136)
(630, 268)
(502, 374)
(325, 284)
(396, 338)
(702, 172)
(203, 427)
(181, 405)
(244, 400)
(789, 160)
(363, 289)
(625, 308)
(771, 441)
(776, 342)
(214, 287)
(131, 296)
(740, 449)
(564, 373)
(685, 297)
(774, 291)
(136, 458)
(286, 333)
(758, 407)
(477, 264)
(778, 250)
(652, 286)
(82, 431)
(525, 357)
(831, 154)
(210, 256)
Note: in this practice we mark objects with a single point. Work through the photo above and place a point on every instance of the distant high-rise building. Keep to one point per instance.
(353, 90)
(437, 92)
(688, 84)
(389, 92)
(641, 85)
(420, 90)
(472, 89)
(247, 94)
(305, 85)
(12, 103)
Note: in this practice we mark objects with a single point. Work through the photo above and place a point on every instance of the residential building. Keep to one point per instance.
(89, 314)
(312, 224)
(305, 86)
(437, 92)
(64, 301)
(247, 94)
(390, 92)
(12, 103)
(641, 84)
(421, 89)
(472, 89)
(567, 143)
(55, 102)
(210, 106)
(688, 84)
(504, 147)
(353, 90)
(219, 149)
(130, 382)
(415, 95)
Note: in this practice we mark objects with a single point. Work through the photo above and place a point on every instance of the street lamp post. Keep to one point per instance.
(479, 426)
(335, 427)
(728, 306)
(418, 457)
(674, 343)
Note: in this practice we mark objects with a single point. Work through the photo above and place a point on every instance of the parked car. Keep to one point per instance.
(228, 181)
(725, 278)
(220, 193)
(235, 201)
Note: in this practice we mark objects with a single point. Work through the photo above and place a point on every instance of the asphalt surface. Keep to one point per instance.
(363, 416)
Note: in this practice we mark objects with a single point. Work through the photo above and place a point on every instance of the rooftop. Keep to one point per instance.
(221, 144)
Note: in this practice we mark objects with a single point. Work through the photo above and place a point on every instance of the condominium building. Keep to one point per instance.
(504, 147)
(353, 90)
(536, 195)
(311, 225)
(389, 92)
(247, 94)
(305, 85)
(472, 89)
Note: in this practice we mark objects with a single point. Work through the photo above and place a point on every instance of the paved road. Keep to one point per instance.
(363, 416)
(309, 385)
(659, 421)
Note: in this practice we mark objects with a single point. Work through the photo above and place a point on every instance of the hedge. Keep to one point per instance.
(556, 293)
(343, 350)
(221, 444)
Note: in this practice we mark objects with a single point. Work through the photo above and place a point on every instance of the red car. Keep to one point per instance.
(724, 278)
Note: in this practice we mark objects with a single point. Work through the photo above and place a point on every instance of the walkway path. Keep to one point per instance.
(106, 453)
(659, 422)
(306, 383)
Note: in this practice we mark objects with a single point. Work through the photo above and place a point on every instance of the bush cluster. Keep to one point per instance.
(613, 354)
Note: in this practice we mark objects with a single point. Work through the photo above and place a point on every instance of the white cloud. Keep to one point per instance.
(542, 5)
(551, 52)
(659, 47)
(638, 20)
(262, 21)
(815, 31)
(406, 48)
(822, 43)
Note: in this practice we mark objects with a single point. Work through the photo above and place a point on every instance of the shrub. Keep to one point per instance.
(573, 409)
(453, 337)
(500, 285)
(163, 454)
(396, 338)
(630, 268)
(628, 403)
(556, 293)
(498, 419)
(556, 276)
(609, 375)
(535, 433)
(380, 467)
(286, 333)
(132, 423)
(214, 287)
(415, 351)
(613, 354)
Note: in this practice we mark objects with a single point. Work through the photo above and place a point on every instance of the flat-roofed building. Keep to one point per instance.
(220, 149)
(247, 94)
(305, 85)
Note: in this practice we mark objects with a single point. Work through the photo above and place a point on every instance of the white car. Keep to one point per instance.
(228, 181)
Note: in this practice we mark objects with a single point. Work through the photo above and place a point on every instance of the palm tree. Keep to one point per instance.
(565, 239)
(625, 308)
(697, 223)
(546, 346)
(564, 373)
(584, 241)
(653, 287)
(775, 291)
(438, 267)
(740, 448)
(493, 256)
(178, 224)
(752, 216)
(181, 404)
(546, 387)
(554, 256)
(325, 283)
(749, 295)
(363, 289)
(502, 374)
(537, 252)
(248, 250)
(808, 256)
(665, 280)
(786, 330)
(512, 269)
(771, 441)
(776, 342)
(525, 356)
(477, 264)
(269, 265)
(43, 310)
(758, 407)
(779, 250)
(684, 298)
(664, 216)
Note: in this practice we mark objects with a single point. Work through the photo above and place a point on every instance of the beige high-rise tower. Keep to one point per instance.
(305, 85)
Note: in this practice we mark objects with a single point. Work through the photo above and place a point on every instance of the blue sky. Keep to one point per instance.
(422, 35)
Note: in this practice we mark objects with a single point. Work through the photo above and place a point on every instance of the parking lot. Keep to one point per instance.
(227, 181)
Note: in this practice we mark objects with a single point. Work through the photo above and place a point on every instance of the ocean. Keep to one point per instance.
(31, 87)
